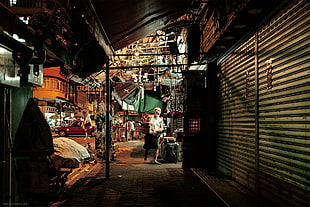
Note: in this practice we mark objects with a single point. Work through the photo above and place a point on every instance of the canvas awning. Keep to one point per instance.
(124, 22)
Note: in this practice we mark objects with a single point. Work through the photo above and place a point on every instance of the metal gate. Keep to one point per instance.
(236, 126)
(284, 101)
(264, 101)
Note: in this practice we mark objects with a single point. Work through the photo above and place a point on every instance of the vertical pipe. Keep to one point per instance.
(10, 160)
(7, 149)
(4, 146)
(10, 144)
(256, 117)
(60, 110)
(107, 128)
(125, 121)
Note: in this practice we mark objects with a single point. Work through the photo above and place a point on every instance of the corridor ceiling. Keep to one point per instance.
(128, 21)
(124, 28)
(123, 22)
(116, 24)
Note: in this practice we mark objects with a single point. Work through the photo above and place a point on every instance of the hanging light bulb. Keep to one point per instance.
(145, 77)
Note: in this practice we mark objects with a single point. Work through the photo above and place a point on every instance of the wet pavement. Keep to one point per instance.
(135, 182)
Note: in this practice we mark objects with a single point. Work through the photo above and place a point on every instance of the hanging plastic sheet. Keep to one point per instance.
(149, 101)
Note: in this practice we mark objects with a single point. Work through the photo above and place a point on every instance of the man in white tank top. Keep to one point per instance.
(156, 126)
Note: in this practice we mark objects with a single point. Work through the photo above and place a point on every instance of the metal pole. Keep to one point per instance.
(153, 66)
(125, 121)
(107, 128)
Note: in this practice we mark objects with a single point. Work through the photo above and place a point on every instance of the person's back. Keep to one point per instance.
(131, 129)
(131, 126)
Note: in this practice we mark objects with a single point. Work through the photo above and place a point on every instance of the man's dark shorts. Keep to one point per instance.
(151, 141)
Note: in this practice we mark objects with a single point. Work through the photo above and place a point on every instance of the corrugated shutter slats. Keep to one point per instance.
(284, 109)
(236, 134)
(275, 147)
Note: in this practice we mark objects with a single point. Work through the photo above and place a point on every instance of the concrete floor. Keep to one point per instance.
(135, 182)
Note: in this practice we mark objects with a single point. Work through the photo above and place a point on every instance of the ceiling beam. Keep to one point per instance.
(155, 66)
(152, 54)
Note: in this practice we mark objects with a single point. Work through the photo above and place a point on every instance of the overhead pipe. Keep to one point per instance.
(154, 66)
(152, 54)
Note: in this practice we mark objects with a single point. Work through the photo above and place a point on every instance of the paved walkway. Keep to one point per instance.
(135, 182)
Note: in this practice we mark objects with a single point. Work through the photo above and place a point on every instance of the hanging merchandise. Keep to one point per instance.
(101, 107)
(125, 89)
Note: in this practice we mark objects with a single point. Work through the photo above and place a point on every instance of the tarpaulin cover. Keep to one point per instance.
(68, 148)
(149, 101)
(125, 89)
(141, 101)
(33, 136)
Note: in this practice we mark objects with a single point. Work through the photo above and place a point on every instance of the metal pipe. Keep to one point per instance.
(4, 145)
(107, 122)
(152, 54)
(157, 54)
(152, 66)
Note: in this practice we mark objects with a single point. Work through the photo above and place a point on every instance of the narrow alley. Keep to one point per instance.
(224, 84)
(135, 182)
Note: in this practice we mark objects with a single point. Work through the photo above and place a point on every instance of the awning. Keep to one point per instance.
(125, 22)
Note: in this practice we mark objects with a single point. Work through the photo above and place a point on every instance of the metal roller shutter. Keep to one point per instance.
(270, 153)
(236, 126)
(284, 99)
